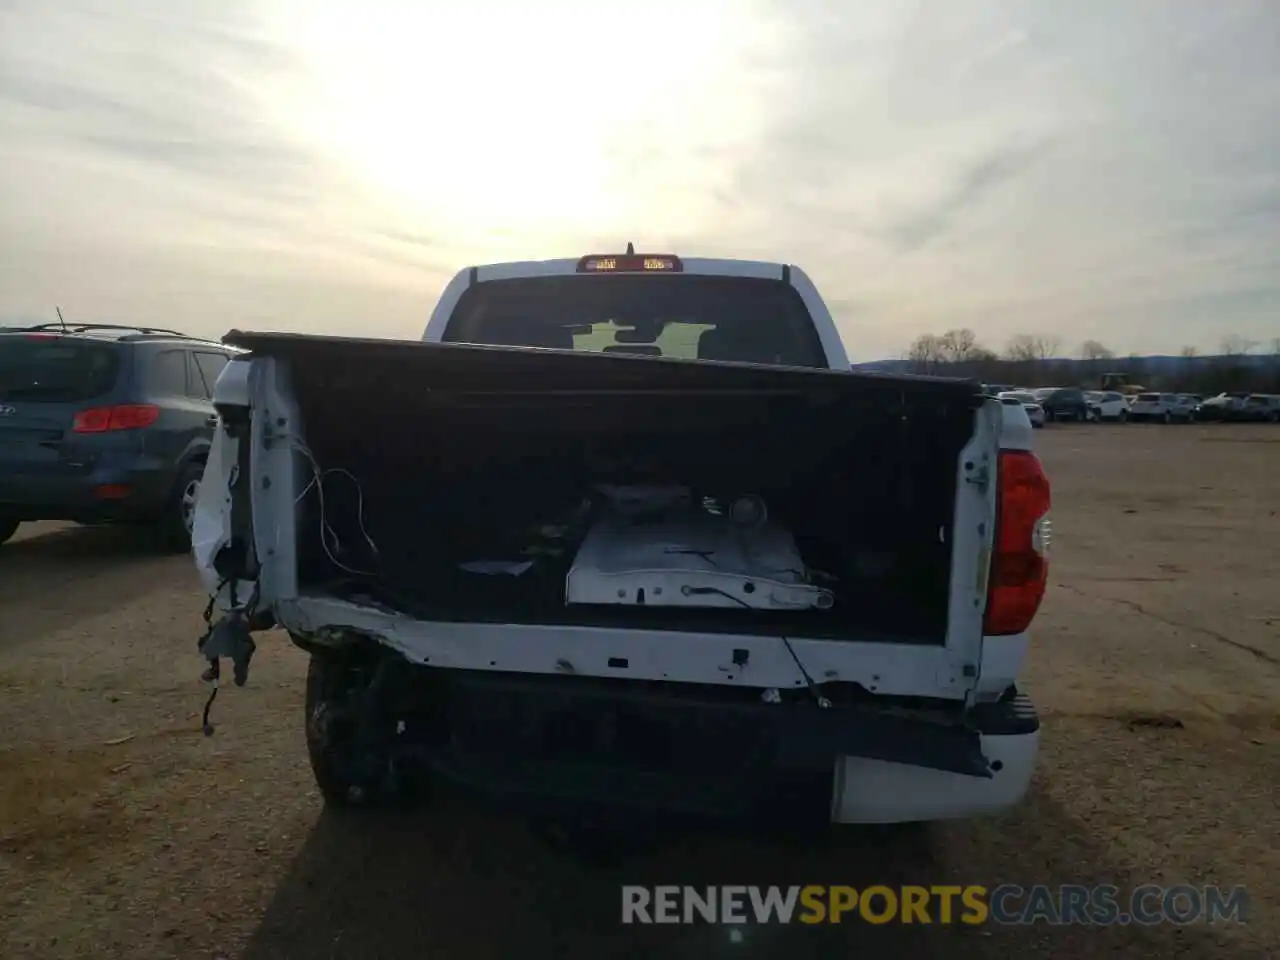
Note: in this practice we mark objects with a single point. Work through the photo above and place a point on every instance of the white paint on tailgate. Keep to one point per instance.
(889, 668)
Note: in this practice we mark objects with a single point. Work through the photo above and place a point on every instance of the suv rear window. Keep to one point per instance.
(56, 369)
(692, 317)
(1149, 397)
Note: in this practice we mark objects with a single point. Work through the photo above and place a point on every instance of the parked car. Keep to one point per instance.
(1108, 405)
(1261, 408)
(1154, 406)
(105, 423)
(1035, 412)
(1184, 406)
(1225, 406)
(1063, 403)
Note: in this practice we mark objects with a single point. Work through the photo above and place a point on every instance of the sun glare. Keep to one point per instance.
(563, 117)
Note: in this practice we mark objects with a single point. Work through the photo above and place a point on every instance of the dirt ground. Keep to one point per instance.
(124, 832)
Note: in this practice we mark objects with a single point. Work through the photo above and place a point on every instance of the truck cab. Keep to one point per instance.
(807, 336)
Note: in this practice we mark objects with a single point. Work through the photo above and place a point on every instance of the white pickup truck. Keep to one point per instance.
(624, 537)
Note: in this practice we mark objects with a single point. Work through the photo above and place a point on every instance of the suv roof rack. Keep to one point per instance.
(87, 327)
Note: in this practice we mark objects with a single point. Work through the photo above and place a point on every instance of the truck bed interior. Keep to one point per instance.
(456, 461)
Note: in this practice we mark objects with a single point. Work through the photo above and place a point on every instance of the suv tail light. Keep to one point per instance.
(1019, 565)
(126, 416)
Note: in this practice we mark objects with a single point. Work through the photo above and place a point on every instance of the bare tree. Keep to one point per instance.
(959, 346)
(1025, 347)
(1094, 354)
(925, 352)
(1021, 348)
(1190, 372)
(1236, 345)
(1093, 350)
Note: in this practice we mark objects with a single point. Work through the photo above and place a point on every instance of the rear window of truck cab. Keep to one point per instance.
(689, 316)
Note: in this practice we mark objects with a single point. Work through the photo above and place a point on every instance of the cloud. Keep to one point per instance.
(970, 186)
(1091, 170)
(153, 87)
(1097, 169)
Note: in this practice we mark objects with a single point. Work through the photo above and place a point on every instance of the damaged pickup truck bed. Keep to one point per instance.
(627, 534)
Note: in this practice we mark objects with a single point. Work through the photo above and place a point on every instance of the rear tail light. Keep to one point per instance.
(1019, 562)
(126, 416)
(112, 491)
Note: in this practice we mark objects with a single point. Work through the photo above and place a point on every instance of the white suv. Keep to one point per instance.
(1108, 405)
(1154, 406)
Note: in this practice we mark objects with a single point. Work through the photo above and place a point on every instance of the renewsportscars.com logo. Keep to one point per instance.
(1068, 904)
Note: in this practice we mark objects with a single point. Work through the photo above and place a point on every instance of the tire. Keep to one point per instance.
(348, 776)
(1123, 416)
(175, 522)
(1168, 417)
(7, 529)
(329, 681)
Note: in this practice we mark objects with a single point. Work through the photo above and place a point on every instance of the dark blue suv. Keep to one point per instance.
(102, 423)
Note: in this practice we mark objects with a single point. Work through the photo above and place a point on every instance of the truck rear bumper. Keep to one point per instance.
(870, 790)
(547, 747)
(873, 791)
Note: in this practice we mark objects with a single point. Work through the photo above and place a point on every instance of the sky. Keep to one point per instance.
(1082, 170)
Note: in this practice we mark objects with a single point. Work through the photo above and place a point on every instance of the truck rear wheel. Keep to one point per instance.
(350, 735)
(344, 768)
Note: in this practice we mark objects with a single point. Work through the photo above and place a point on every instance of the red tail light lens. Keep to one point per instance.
(1019, 565)
(126, 416)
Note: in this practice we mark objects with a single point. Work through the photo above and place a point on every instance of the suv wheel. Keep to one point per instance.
(1123, 416)
(7, 529)
(178, 519)
(1168, 417)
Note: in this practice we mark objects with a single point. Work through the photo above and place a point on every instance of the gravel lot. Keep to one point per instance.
(124, 832)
